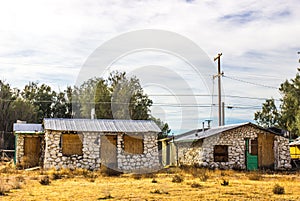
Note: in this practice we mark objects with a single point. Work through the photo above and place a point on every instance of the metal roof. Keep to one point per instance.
(27, 128)
(199, 134)
(101, 125)
(295, 142)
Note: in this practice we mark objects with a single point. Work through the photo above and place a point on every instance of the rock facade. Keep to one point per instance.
(147, 161)
(201, 152)
(91, 158)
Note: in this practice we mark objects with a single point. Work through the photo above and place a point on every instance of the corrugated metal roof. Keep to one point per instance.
(101, 125)
(210, 132)
(27, 128)
(296, 142)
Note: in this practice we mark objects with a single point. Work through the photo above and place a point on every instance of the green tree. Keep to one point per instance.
(163, 126)
(269, 115)
(41, 97)
(288, 115)
(103, 100)
(7, 97)
(290, 107)
(128, 97)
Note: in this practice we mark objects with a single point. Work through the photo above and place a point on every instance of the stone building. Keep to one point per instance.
(238, 146)
(29, 144)
(124, 145)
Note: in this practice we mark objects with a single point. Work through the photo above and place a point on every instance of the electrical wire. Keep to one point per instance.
(247, 82)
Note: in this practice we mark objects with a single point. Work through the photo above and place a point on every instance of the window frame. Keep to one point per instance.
(133, 150)
(65, 143)
(221, 153)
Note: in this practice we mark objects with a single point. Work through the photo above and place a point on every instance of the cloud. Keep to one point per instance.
(49, 41)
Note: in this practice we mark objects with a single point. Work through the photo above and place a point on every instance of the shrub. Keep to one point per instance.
(154, 181)
(255, 176)
(3, 188)
(157, 191)
(106, 171)
(196, 185)
(137, 176)
(177, 179)
(45, 180)
(56, 175)
(278, 189)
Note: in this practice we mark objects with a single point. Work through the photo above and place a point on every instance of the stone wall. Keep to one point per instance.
(190, 153)
(282, 153)
(91, 158)
(147, 161)
(195, 154)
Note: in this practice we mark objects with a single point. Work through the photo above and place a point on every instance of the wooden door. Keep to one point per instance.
(32, 151)
(266, 151)
(109, 151)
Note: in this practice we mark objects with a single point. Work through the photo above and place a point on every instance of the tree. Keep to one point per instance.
(269, 115)
(41, 97)
(163, 126)
(290, 107)
(128, 97)
(288, 115)
(103, 100)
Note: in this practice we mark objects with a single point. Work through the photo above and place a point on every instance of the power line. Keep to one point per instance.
(253, 83)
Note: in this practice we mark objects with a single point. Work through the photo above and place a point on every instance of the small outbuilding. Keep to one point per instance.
(124, 145)
(238, 146)
(29, 144)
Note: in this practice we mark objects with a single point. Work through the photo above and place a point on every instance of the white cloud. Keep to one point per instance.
(50, 40)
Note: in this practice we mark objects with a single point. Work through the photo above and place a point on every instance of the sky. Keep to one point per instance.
(50, 42)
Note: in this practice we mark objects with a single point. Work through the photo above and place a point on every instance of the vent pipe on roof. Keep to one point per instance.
(93, 113)
(21, 122)
(203, 124)
(208, 123)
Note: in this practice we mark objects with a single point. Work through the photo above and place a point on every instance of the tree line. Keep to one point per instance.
(287, 115)
(117, 97)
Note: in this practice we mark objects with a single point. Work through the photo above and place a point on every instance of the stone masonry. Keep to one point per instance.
(201, 152)
(91, 158)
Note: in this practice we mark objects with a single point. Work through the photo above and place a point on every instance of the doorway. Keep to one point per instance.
(32, 151)
(109, 151)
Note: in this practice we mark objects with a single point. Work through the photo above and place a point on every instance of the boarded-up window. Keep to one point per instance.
(253, 147)
(221, 153)
(71, 144)
(133, 144)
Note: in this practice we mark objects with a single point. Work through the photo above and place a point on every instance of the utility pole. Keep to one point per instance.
(219, 86)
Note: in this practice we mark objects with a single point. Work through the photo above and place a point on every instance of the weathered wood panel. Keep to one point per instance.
(72, 144)
(133, 144)
(32, 151)
(266, 150)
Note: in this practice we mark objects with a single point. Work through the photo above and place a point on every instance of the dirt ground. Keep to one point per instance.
(171, 184)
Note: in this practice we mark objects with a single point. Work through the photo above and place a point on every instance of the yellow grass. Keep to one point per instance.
(80, 185)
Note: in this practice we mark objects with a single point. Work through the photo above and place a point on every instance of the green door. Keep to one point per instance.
(251, 159)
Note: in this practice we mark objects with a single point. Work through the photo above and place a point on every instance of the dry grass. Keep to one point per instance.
(77, 185)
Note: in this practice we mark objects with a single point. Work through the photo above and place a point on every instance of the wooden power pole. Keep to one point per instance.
(219, 87)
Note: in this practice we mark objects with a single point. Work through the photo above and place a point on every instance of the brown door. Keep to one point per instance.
(109, 151)
(32, 151)
(266, 151)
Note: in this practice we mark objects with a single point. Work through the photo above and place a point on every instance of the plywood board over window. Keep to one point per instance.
(71, 144)
(133, 144)
(221, 153)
